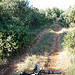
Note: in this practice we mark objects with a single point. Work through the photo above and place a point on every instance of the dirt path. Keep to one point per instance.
(54, 60)
(12, 65)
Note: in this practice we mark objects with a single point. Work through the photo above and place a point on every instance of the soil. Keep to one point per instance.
(53, 61)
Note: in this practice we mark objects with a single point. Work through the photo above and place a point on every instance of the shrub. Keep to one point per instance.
(14, 36)
(72, 25)
(7, 46)
(69, 40)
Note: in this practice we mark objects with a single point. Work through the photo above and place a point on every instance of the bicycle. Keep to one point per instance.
(41, 71)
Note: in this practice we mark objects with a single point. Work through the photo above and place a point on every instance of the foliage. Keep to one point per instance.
(68, 20)
(17, 19)
(13, 36)
(72, 25)
(68, 17)
(56, 10)
(69, 40)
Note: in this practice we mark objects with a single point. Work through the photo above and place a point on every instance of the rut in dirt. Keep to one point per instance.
(54, 61)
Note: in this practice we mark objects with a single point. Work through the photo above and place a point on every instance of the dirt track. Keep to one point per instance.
(54, 52)
(54, 61)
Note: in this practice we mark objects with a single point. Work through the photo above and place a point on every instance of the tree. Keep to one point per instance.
(56, 10)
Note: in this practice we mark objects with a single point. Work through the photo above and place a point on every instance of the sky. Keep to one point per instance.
(43, 4)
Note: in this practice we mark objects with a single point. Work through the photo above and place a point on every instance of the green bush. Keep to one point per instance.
(68, 17)
(72, 25)
(14, 36)
(69, 40)
(7, 46)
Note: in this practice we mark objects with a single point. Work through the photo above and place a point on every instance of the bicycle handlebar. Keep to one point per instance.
(42, 71)
(49, 72)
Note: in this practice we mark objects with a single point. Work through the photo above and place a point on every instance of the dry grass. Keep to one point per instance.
(2, 62)
(28, 64)
(69, 58)
(71, 63)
